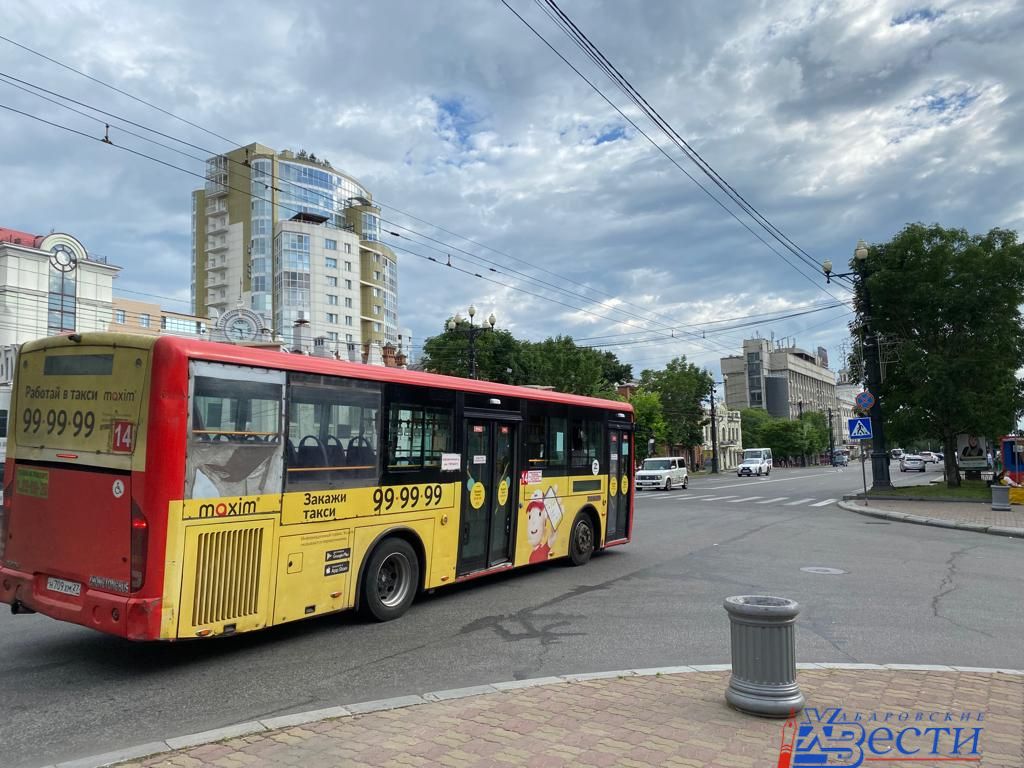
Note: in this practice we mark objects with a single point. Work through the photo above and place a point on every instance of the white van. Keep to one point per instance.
(756, 461)
(667, 473)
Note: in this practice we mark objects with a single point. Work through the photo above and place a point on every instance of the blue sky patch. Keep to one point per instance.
(918, 14)
(454, 115)
(610, 134)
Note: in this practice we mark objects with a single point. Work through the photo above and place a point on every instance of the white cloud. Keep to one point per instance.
(838, 120)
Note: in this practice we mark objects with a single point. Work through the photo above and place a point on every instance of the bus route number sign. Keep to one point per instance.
(123, 436)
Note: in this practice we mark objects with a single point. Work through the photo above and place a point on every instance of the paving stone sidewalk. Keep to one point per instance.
(636, 721)
(980, 518)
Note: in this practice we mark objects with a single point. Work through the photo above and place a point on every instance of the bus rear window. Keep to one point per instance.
(78, 365)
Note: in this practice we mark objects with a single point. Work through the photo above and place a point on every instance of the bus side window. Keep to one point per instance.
(235, 432)
(333, 432)
(417, 436)
(536, 438)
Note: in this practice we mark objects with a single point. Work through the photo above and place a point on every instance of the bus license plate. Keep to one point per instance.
(65, 587)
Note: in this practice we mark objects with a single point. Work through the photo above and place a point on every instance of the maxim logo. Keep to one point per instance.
(228, 508)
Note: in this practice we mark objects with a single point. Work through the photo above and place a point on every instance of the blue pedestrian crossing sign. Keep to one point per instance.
(860, 429)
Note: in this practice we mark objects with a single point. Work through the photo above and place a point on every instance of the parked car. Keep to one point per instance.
(928, 457)
(941, 457)
(912, 463)
(840, 459)
(896, 454)
(666, 473)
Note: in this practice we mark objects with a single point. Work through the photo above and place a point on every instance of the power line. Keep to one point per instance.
(114, 88)
(575, 34)
(661, 149)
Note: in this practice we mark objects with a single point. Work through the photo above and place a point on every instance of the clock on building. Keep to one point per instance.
(240, 324)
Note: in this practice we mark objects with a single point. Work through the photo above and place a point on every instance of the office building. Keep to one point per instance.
(49, 284)
(288, 237)
(781, 379)
(131, 316)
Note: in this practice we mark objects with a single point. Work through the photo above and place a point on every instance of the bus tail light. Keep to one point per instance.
(139, 544)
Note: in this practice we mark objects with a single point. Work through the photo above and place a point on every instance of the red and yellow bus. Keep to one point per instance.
(168, 488)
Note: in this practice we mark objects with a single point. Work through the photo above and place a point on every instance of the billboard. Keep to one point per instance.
(971, 451)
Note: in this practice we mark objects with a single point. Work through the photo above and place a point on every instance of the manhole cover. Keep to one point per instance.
(820, 569)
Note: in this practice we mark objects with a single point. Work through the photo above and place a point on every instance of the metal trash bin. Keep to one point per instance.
(763, 637)
(1000, 497)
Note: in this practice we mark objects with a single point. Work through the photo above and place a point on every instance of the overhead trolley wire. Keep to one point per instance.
(662, 150)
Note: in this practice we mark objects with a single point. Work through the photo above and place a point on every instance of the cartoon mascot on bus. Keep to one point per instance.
(543, 515)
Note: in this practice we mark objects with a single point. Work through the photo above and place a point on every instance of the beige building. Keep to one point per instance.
(251, 246)
(730, 436)
(783, 380)
(49, 284)
(130, 316)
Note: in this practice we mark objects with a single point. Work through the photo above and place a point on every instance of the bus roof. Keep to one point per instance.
(272, 358)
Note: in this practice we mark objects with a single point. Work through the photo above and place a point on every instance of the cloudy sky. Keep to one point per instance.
(836, 120)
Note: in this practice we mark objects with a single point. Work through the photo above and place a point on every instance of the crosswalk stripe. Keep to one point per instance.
(798, 501)
(718, 498)
(772, 501)
(824, 503)
(688, 497)
(749, 498)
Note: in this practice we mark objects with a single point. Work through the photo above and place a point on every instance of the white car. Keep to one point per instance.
(756, 461)
(912, 463)
(664, 473)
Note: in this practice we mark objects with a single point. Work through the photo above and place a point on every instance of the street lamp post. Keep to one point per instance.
(455, 324)
(714, 426)
(872, 366)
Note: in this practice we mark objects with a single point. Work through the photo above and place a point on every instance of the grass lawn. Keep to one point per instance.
(969, 490)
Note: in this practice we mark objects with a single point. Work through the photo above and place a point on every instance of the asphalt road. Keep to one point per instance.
(909, 594)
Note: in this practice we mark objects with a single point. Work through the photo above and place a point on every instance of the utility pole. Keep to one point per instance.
(714, 435)
(872, 366)
(831, 440)
(803, 456)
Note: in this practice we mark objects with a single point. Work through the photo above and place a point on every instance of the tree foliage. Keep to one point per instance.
(682, 387)
(752, 425)
(650, 421)
(946, 306)
(556, 362)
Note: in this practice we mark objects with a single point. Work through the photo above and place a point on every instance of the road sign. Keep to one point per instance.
(860, 429)
(865, 400)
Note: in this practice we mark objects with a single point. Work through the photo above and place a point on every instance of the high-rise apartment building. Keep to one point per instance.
(289, 237)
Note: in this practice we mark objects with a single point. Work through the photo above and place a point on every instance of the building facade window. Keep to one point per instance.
(331, 263)
(330, 245)
(144, 320)
(63, 291)
(348, 319)
(332, 282)
(332, 318)
(119, 316)
(348, 247)
(348, 285)
(348, 302)
(348, 266)
(332, 299)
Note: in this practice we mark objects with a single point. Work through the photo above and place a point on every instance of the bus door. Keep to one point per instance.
(620, 463)
(488, 494)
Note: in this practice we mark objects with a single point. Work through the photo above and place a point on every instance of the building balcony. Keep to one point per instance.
(217, 206)
(217, 226)
(216, 246)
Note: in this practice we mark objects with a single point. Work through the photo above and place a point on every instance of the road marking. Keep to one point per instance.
(718, 498)
(772, 501)
(688, 497)
(757, 481)
(798, 501)
(749, 498)
(824, 503)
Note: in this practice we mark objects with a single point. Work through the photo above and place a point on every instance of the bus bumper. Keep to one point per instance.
(131, 618)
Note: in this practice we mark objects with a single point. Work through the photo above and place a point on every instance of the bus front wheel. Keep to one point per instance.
(581, 541)
(391, 580)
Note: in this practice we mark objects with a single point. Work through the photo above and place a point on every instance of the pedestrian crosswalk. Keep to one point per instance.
(785, 501)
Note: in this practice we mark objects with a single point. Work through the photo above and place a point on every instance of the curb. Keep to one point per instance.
(936, 522)
(401, 702)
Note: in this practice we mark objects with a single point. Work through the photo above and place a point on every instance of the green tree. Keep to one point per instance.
(752, 424)
(682, 387)
(650, 420)
(814, 433)
(561, 364)
(496, 352)
(614, 370)
(946, 306)
(784, 437)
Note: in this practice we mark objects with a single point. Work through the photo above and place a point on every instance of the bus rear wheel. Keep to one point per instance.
(581, 540)
(390, 581)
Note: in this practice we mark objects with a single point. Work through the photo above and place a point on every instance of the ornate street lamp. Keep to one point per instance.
(455, 325)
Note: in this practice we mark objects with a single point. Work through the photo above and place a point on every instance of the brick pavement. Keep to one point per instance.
(653, 720)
